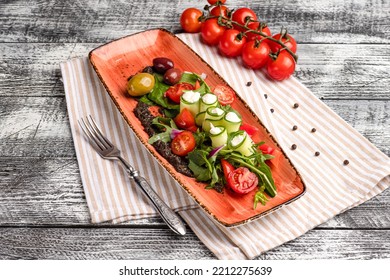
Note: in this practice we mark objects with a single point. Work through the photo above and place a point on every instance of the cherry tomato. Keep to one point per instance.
(227, 168)
(255, 54)
(175, 92)
(183, 143)
(249, 129)
(231, 43)
(185, 120)
(255, 26)
(211, 31)
(265, 149)
(212, 2)
(224, 94)
(277, 160)
(219, 11)
(241, 16)
(197, 84)
(288, 40)
(189, 20)
(242, 181)
(282, 67)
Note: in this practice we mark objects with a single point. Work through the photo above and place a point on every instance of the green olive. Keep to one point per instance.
(140, 84)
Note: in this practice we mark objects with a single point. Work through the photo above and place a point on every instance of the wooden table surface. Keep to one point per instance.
(344, 58)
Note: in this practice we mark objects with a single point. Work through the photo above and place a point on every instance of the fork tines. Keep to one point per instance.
(94, 134)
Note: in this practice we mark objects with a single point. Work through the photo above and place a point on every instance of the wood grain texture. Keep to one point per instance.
(48, 191)
(140, 243)
(38, 126)
(330, 71)
(350, 21)
(344, 58)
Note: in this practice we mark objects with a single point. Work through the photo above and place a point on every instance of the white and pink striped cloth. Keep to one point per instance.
(332, 186)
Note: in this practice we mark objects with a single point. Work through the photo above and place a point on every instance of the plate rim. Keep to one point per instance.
(172, 174)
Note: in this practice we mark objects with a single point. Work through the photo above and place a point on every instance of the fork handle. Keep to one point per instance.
(166, 213)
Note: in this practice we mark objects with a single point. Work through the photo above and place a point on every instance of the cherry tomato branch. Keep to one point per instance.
(258, 32)
(228, 22)
(239, 33)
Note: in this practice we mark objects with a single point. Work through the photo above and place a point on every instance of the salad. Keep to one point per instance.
(195, 128)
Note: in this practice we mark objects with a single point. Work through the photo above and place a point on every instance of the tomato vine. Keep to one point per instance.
(217, 18)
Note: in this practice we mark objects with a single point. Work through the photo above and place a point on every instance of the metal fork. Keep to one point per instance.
(107, 150)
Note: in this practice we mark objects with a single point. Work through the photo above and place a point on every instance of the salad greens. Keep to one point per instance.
(157, 95)
(205, 161)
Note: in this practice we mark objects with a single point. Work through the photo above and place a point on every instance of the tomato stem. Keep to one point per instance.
(265, 36)
(228, 22)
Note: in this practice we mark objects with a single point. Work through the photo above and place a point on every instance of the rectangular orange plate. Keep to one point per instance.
(116, 61)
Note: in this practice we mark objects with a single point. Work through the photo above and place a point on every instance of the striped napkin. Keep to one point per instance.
(348, 170)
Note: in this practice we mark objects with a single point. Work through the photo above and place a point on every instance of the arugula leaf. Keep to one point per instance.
(191, 78)
(164, 136)
(204, 88)
(260, 197)
(201, 137)
(168, 126)
(201, 174)
(171, 113)
(203, 167)
(146, 100)
(157, 94)
(199, 157)
(256, 164)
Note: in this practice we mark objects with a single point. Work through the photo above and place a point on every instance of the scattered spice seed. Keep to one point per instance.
(265, 96)
(296, 105)
(313, 130)
(346, 162)
(272, 110)
(248, 84)
(293, 147)
(317, 154)
(294, 127)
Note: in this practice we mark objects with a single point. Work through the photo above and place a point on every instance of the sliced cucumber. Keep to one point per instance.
(218, 136)
(206, 125)
(208, 100)
(241, 142)
(214, 113)
(199, 118)
(232, 122)
(190, 100)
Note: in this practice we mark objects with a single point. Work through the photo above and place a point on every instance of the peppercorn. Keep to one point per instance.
(294, 127)
(317, 154)
(293, 147)
(346, 162)
(296, 105)
(248, 84)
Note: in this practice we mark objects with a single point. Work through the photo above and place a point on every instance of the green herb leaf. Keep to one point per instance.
(167, 125)
(191, 78)
(260, 197)
(146, 100)
(203, 166)
(171, 113)
(256, 164)
(201, 174)
(157, 94)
